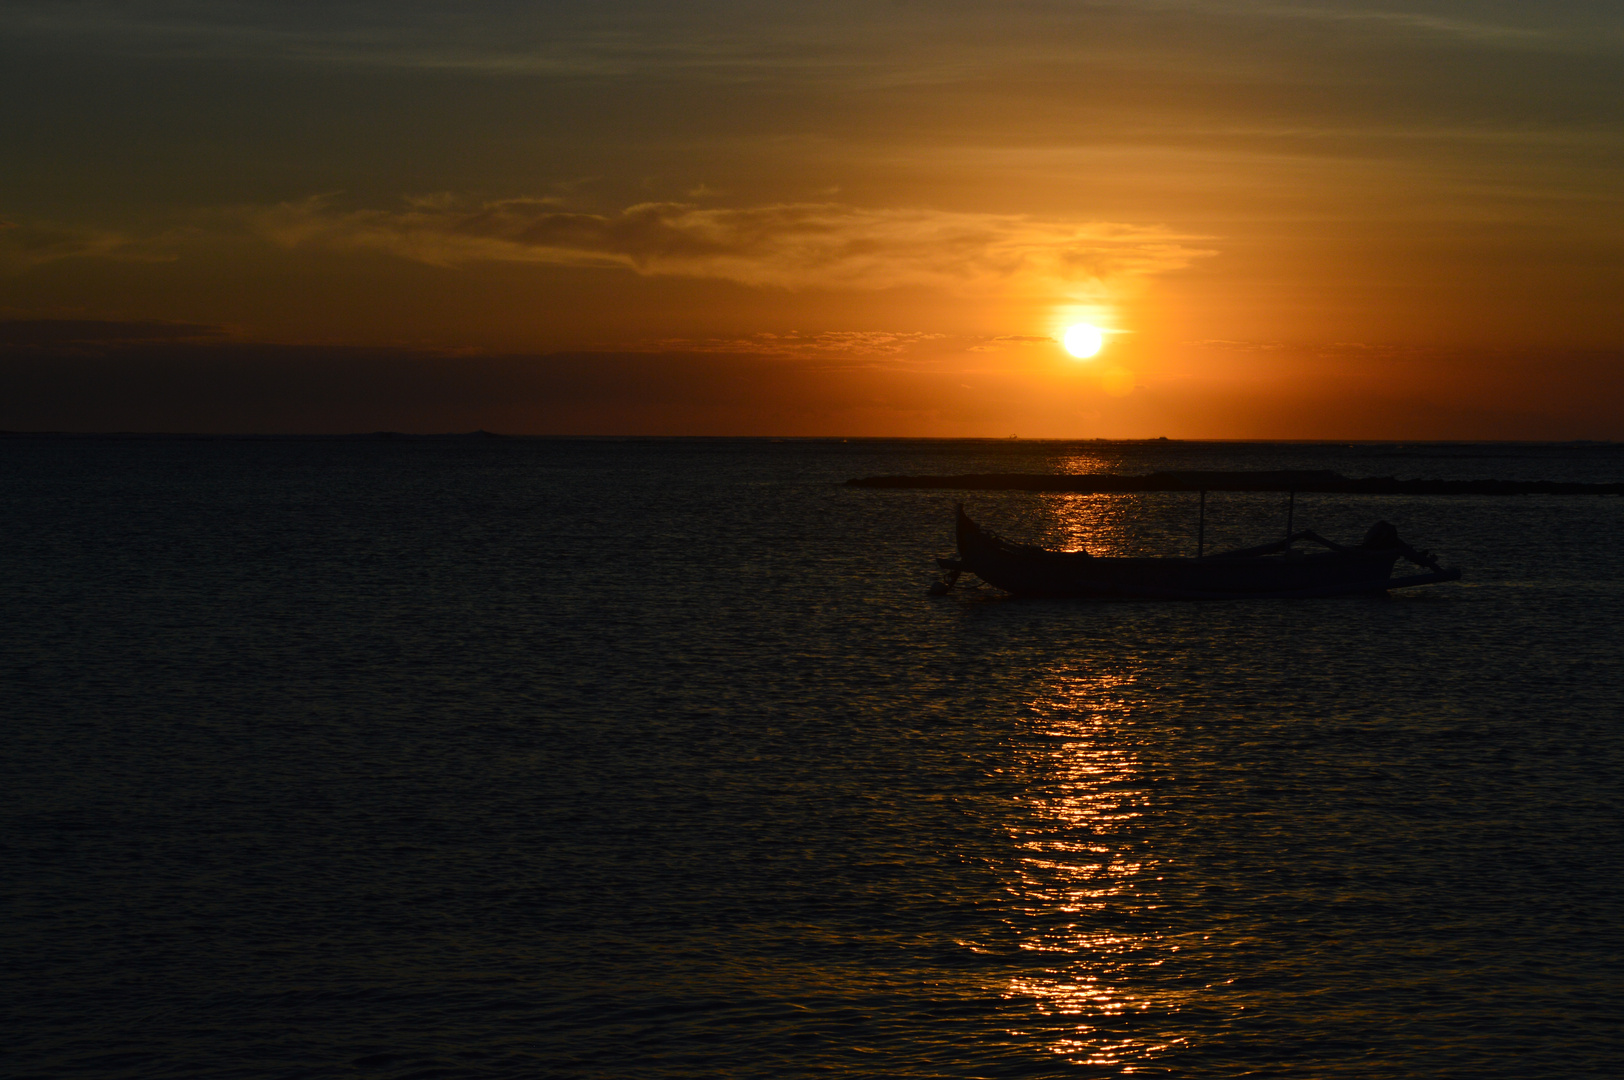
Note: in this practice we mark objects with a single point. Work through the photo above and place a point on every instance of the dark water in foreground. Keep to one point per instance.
(476, 758)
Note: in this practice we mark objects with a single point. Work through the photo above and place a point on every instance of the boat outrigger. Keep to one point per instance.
(1269, 570)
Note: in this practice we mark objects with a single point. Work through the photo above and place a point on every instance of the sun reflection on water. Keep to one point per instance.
(1080, 905)
(1084, 463)
(1125, 524)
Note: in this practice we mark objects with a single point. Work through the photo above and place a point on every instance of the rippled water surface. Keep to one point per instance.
(498, 757)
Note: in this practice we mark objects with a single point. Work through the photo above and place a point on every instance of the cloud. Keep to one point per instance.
(830, 343)
(1236, 345)
(24, 245)
(50, 332)
(1004, 341)
(631, 39)
(788, 246)
(1460, 28)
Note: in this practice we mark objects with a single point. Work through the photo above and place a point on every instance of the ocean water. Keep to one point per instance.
(487, 757)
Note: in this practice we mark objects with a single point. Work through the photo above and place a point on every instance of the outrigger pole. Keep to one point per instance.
(1201, 522)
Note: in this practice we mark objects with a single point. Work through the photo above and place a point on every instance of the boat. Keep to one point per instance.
(1276, 570)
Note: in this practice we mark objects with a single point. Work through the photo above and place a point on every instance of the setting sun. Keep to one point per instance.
(1083, 340)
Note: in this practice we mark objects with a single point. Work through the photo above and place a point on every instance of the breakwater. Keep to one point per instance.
(1306, 481)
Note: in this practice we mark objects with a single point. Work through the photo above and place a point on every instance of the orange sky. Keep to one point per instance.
(1295, 220)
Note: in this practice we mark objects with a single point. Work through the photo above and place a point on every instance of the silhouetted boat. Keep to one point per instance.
(1269, 570)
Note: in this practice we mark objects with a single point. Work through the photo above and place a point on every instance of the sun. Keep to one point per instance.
(1083, 340)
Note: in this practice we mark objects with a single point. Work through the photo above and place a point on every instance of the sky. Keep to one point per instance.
(1304, 219)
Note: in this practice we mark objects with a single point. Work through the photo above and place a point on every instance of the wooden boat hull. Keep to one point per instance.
(1032, 571)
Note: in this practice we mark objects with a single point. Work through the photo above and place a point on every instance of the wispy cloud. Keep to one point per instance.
(830, 343)
(1468, 29)
(626, 38)
(1004, 341)
(1237, 345)
(631, 38)
(789, 246)
(78, 332)
(28, 244)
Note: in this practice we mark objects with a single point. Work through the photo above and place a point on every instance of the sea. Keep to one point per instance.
(475, 756)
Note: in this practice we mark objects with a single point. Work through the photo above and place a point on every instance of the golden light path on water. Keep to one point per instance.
(1147, 523)
(1120, 524)
(1080, 862)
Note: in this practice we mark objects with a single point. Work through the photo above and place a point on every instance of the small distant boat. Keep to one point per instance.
(1269, 570)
